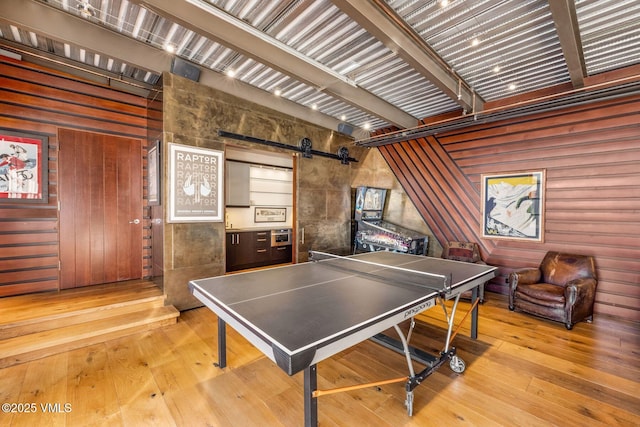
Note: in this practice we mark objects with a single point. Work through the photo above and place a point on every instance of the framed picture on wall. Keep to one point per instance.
(513, 205)
(24, 167)
(270, 214)
(195, 184)
(153, 163)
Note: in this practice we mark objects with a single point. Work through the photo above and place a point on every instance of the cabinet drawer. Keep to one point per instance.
(262, 239)
(281, 254)
(262, 255)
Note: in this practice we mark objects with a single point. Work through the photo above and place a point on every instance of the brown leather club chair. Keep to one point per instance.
(563, 288)
(465, 252)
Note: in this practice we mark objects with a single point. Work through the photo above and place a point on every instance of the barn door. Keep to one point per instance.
(100, 193)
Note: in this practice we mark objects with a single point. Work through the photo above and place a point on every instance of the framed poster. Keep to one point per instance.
(195, 184)
(153, 163)
(24, 168)
(513, 205)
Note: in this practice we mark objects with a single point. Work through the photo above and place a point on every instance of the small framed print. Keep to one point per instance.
(270, 215)
(24, 168)
(153, 164)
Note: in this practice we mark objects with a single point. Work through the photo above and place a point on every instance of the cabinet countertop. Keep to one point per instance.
(241, 230)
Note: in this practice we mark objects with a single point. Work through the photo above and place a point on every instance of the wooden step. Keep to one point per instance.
(45, 312)
(38, 325)
(33, 346)
(57, 304)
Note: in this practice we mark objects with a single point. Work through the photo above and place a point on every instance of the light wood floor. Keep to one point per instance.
(521, 371)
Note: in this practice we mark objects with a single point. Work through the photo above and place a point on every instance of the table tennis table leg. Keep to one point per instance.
(474, 313)
(222, 343)
(408, 403)
(310, 402)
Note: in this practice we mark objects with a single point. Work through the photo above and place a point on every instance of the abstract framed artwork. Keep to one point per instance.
(513, 205)
(24, 168)
(195, 184)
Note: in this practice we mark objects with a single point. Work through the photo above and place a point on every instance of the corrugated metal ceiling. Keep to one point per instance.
(378, 63)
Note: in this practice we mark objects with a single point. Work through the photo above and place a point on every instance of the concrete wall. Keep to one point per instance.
(373, 171)
(192, 116)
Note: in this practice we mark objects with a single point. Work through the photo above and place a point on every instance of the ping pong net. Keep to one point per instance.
(388, 274)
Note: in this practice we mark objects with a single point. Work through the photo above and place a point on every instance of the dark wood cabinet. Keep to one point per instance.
(239, 250)
(262, 247)
(281, 254)
(250, 249)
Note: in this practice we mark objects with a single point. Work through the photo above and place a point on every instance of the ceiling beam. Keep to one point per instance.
(382, 22)
(216, 25)
(66, 28)
(58, 25)
(565, 19)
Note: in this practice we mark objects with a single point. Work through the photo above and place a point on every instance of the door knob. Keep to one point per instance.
(135, 221)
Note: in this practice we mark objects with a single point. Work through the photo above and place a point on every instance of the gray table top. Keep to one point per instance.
(305, 305)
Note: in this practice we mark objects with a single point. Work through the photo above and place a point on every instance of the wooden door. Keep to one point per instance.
(100, 193)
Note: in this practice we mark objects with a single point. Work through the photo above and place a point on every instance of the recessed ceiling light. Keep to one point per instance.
(170, 47)
(86, 10)
(496, 69)
(444, 3)
(475, 41)
(230, 72)
(366, 126)
(277, 92)
(512, 86)
(343, 117)
(314, 107)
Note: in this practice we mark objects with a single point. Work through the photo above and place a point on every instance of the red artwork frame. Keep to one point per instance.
(24, 167)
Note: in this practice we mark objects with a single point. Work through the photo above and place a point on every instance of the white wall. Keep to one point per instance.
(271, 186)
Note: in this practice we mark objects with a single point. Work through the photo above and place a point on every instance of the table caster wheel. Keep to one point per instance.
(457, 365)
(409, 403)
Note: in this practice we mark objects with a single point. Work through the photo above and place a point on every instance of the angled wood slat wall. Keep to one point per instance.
(39, 100)
(591, 155)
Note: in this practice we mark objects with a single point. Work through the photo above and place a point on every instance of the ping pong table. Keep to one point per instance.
(301, 314)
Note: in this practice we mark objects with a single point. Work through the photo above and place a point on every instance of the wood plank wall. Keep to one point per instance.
(39, 100)
(591, 155)
(155, 230)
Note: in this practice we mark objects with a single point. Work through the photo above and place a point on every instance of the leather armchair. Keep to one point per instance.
(562, 288)
(465, 252)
